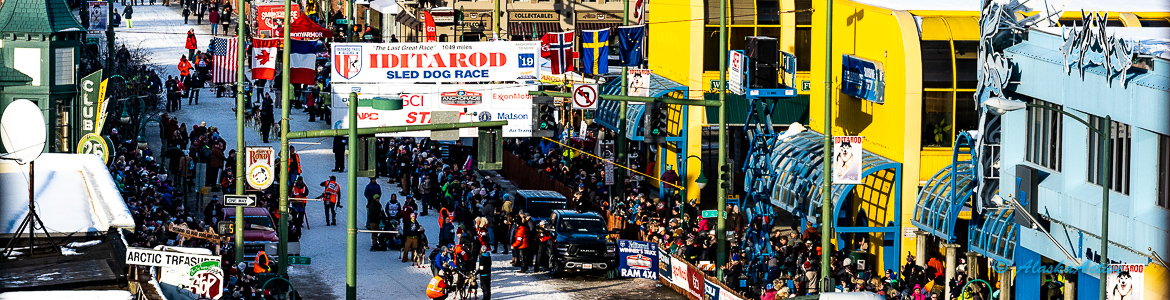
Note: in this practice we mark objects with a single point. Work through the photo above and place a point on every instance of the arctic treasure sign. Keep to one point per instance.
(435, 62)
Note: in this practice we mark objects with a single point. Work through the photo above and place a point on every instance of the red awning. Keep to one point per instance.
(304, 28)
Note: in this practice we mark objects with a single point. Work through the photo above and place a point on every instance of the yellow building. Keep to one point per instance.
(927, 50)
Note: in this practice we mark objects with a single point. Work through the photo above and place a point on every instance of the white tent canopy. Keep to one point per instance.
(74, 193)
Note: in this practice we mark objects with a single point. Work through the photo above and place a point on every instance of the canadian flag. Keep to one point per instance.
(264, 53)
(303, 61)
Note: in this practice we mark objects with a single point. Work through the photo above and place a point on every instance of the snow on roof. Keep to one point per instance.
(74, 193)
(1069, 5)
(92, 295)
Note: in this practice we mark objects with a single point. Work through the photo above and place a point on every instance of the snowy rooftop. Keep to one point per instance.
(74, 193)
(1070, 5)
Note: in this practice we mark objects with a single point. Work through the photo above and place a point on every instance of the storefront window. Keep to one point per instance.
(936, 64)
(937, 112)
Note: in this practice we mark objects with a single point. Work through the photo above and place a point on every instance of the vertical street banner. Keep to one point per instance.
(608, 153)
(259, 170)
(637, 259)
(91, 102)
(847, 159)
(639, 82)
(735, 72)
(98, 19)
(429, 27)
(1125, 282)
(664, 269)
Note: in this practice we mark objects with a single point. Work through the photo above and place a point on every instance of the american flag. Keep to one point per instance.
(224, 60)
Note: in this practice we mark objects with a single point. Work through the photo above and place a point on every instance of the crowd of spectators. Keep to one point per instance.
(766, 260)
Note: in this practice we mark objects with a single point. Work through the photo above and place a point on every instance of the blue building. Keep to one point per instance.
(1050, 164)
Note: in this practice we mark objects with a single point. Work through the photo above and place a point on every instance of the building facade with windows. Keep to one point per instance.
(1063, 157)
(520, 20)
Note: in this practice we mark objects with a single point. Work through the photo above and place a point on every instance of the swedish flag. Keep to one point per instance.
(595, 51)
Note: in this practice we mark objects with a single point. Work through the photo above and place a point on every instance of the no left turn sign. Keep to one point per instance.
(585, 96)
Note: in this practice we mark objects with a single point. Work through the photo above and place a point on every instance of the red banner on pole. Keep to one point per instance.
(429, 27)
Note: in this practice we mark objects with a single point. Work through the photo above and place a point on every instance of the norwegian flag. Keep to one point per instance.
(560, 51)
(224, 60)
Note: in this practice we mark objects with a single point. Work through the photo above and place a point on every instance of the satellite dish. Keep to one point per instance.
(22, 130)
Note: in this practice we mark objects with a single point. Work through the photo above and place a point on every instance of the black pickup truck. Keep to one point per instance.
(580, 242)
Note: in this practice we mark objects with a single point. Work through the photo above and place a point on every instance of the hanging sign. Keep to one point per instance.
(639, 82)
(90, 101)
(847, 159)
(585, 96)
(200, 274)
(92, 143)
(98, 19)
(259, 172)
(1125, 282)
(863, 79)
(735, 72)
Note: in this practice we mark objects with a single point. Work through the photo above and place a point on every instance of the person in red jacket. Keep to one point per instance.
(520, 244)
(191, 43)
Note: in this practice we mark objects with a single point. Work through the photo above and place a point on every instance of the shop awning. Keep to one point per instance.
(596, 25)
(533, 29)
(304, 28)
(607, 111)
(785, 111)
(997, 236)
(788, 171)
(408, 20)
(946, 193)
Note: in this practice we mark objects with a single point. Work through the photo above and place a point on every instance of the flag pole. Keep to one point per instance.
(620, 138)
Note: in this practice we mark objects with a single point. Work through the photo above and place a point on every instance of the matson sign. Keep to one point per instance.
(475, 102)
(435, 62)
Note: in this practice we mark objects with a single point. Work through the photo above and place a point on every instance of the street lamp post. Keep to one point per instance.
(701, 182)
(1000, 106)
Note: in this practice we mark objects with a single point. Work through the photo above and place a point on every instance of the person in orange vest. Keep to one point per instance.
(294, 165)
(437, 289)
(330, 195)
(299, 190)
(262, 263)
(184, 67)
(520, 245)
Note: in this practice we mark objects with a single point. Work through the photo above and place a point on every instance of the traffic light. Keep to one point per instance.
(544, 122)
(727, 175)
(655, 122)
(367, 157)
(491, 148)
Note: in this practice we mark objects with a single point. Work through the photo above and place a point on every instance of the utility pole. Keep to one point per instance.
(721, 224)
(826, 177)
(109, 39)
(351, 199)
(496, 20)
(282, 249)
(240, 151)
(619, 174)
(349, 21)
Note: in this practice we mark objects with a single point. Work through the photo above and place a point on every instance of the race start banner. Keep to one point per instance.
(410, 63)
(260, 172)
(847, 159)
(637, 259)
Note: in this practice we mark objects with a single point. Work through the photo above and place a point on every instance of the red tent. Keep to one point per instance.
(304, 28)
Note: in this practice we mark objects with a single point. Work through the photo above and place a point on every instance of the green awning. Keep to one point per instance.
(790, 110)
